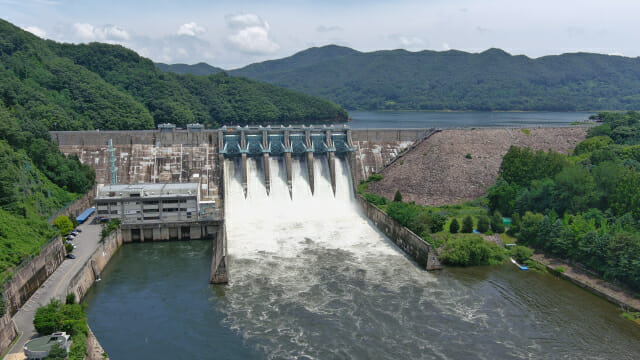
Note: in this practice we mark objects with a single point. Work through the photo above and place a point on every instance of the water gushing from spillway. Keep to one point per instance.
(311, 278)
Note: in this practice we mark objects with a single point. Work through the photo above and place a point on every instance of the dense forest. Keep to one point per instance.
(584, 207)
(46, 85)
(456, 80)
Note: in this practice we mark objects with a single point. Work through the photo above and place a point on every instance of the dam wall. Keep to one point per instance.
(159, 156)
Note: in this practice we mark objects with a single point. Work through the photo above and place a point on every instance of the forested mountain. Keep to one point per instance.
(46, 85)
(202, 69)
(456, 80)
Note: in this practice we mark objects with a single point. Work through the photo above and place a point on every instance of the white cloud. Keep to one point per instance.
(323, 28)
(108, 33)
(250, 34)
(407, 41)
(190, 29)
(446, 46)
(36, 31)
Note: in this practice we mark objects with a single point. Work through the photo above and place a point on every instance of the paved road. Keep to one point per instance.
(56, 285)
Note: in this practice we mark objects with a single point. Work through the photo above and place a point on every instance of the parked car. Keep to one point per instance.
(78, 230)
(71, 256)
(70, 237)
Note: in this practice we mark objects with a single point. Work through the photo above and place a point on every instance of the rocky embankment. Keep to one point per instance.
(439, 171)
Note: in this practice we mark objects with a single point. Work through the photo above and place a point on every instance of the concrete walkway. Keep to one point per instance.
(55, 286)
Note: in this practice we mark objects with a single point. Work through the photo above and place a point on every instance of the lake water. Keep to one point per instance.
(419, 119)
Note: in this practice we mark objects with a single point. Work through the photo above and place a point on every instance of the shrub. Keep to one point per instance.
(454, 226)
(483, 224)
(467, 225)
(560, 269)
(520, 253)
(68, 247)
(526, 131)
(110, 227)
(496, 223)
(468, 156)
(56, 353)
(63, 224)
(375, 177)
(398, 196)
(472, 251)
(70, 299)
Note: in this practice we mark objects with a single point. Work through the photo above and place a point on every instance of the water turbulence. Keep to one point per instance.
(311, 278)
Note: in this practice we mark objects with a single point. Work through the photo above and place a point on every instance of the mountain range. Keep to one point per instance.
(455, 80)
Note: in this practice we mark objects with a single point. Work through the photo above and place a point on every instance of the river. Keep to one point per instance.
(438, 119)
(311, 278)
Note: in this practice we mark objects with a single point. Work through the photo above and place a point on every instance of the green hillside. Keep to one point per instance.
(456, 80)
(46, 85)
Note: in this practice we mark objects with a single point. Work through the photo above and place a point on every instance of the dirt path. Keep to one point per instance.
(609, 291)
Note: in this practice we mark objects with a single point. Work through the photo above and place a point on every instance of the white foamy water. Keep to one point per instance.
(281, 224)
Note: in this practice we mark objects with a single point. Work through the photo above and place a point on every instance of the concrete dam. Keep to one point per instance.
(249, 180)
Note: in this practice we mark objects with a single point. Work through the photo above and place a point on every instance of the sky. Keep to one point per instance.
(232, 34)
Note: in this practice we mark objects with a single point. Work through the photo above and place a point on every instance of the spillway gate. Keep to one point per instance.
(303, 141)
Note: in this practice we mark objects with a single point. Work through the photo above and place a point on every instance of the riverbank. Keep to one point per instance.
(615, 294)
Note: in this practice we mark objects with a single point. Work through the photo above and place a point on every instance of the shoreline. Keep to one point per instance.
(596, 285)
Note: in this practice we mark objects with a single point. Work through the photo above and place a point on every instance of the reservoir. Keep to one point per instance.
(311, 278)
(439, 119)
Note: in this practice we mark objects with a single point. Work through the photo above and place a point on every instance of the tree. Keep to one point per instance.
(497, 226)
(454, 226)
(520, 253)
(63, 224)
(483, 223)
(56, 353)
(398, 196)
(467, 225)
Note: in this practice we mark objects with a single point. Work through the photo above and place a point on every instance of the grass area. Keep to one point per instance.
(633, 316)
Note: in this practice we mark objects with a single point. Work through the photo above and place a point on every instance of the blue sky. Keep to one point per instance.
(231, 34)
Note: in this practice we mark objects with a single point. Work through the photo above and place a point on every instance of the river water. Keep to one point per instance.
(311, 278)
(428, 119)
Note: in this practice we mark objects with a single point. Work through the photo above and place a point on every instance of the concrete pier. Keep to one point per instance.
(219, 274)
(267, 172)
(310, 171)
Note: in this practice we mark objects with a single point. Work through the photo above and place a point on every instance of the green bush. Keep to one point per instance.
(375, 177)
(472, 251)
(56, 353)
(496, 223)
(63, 224)
(70, 299)
(467, 225)
(468, 156)
(397, 197)
(483, 224)
(108, 228)
(454, 226)
(560, 269)
(520, 253)
(68, 247)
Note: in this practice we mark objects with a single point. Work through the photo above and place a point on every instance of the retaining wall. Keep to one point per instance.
(413, 245)
(86, 276)
(77, 207)
(24, 283)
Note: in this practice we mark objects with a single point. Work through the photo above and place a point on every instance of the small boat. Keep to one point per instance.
(522, 267)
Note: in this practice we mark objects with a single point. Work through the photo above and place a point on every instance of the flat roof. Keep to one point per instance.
(150, 190)
(42, 343)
